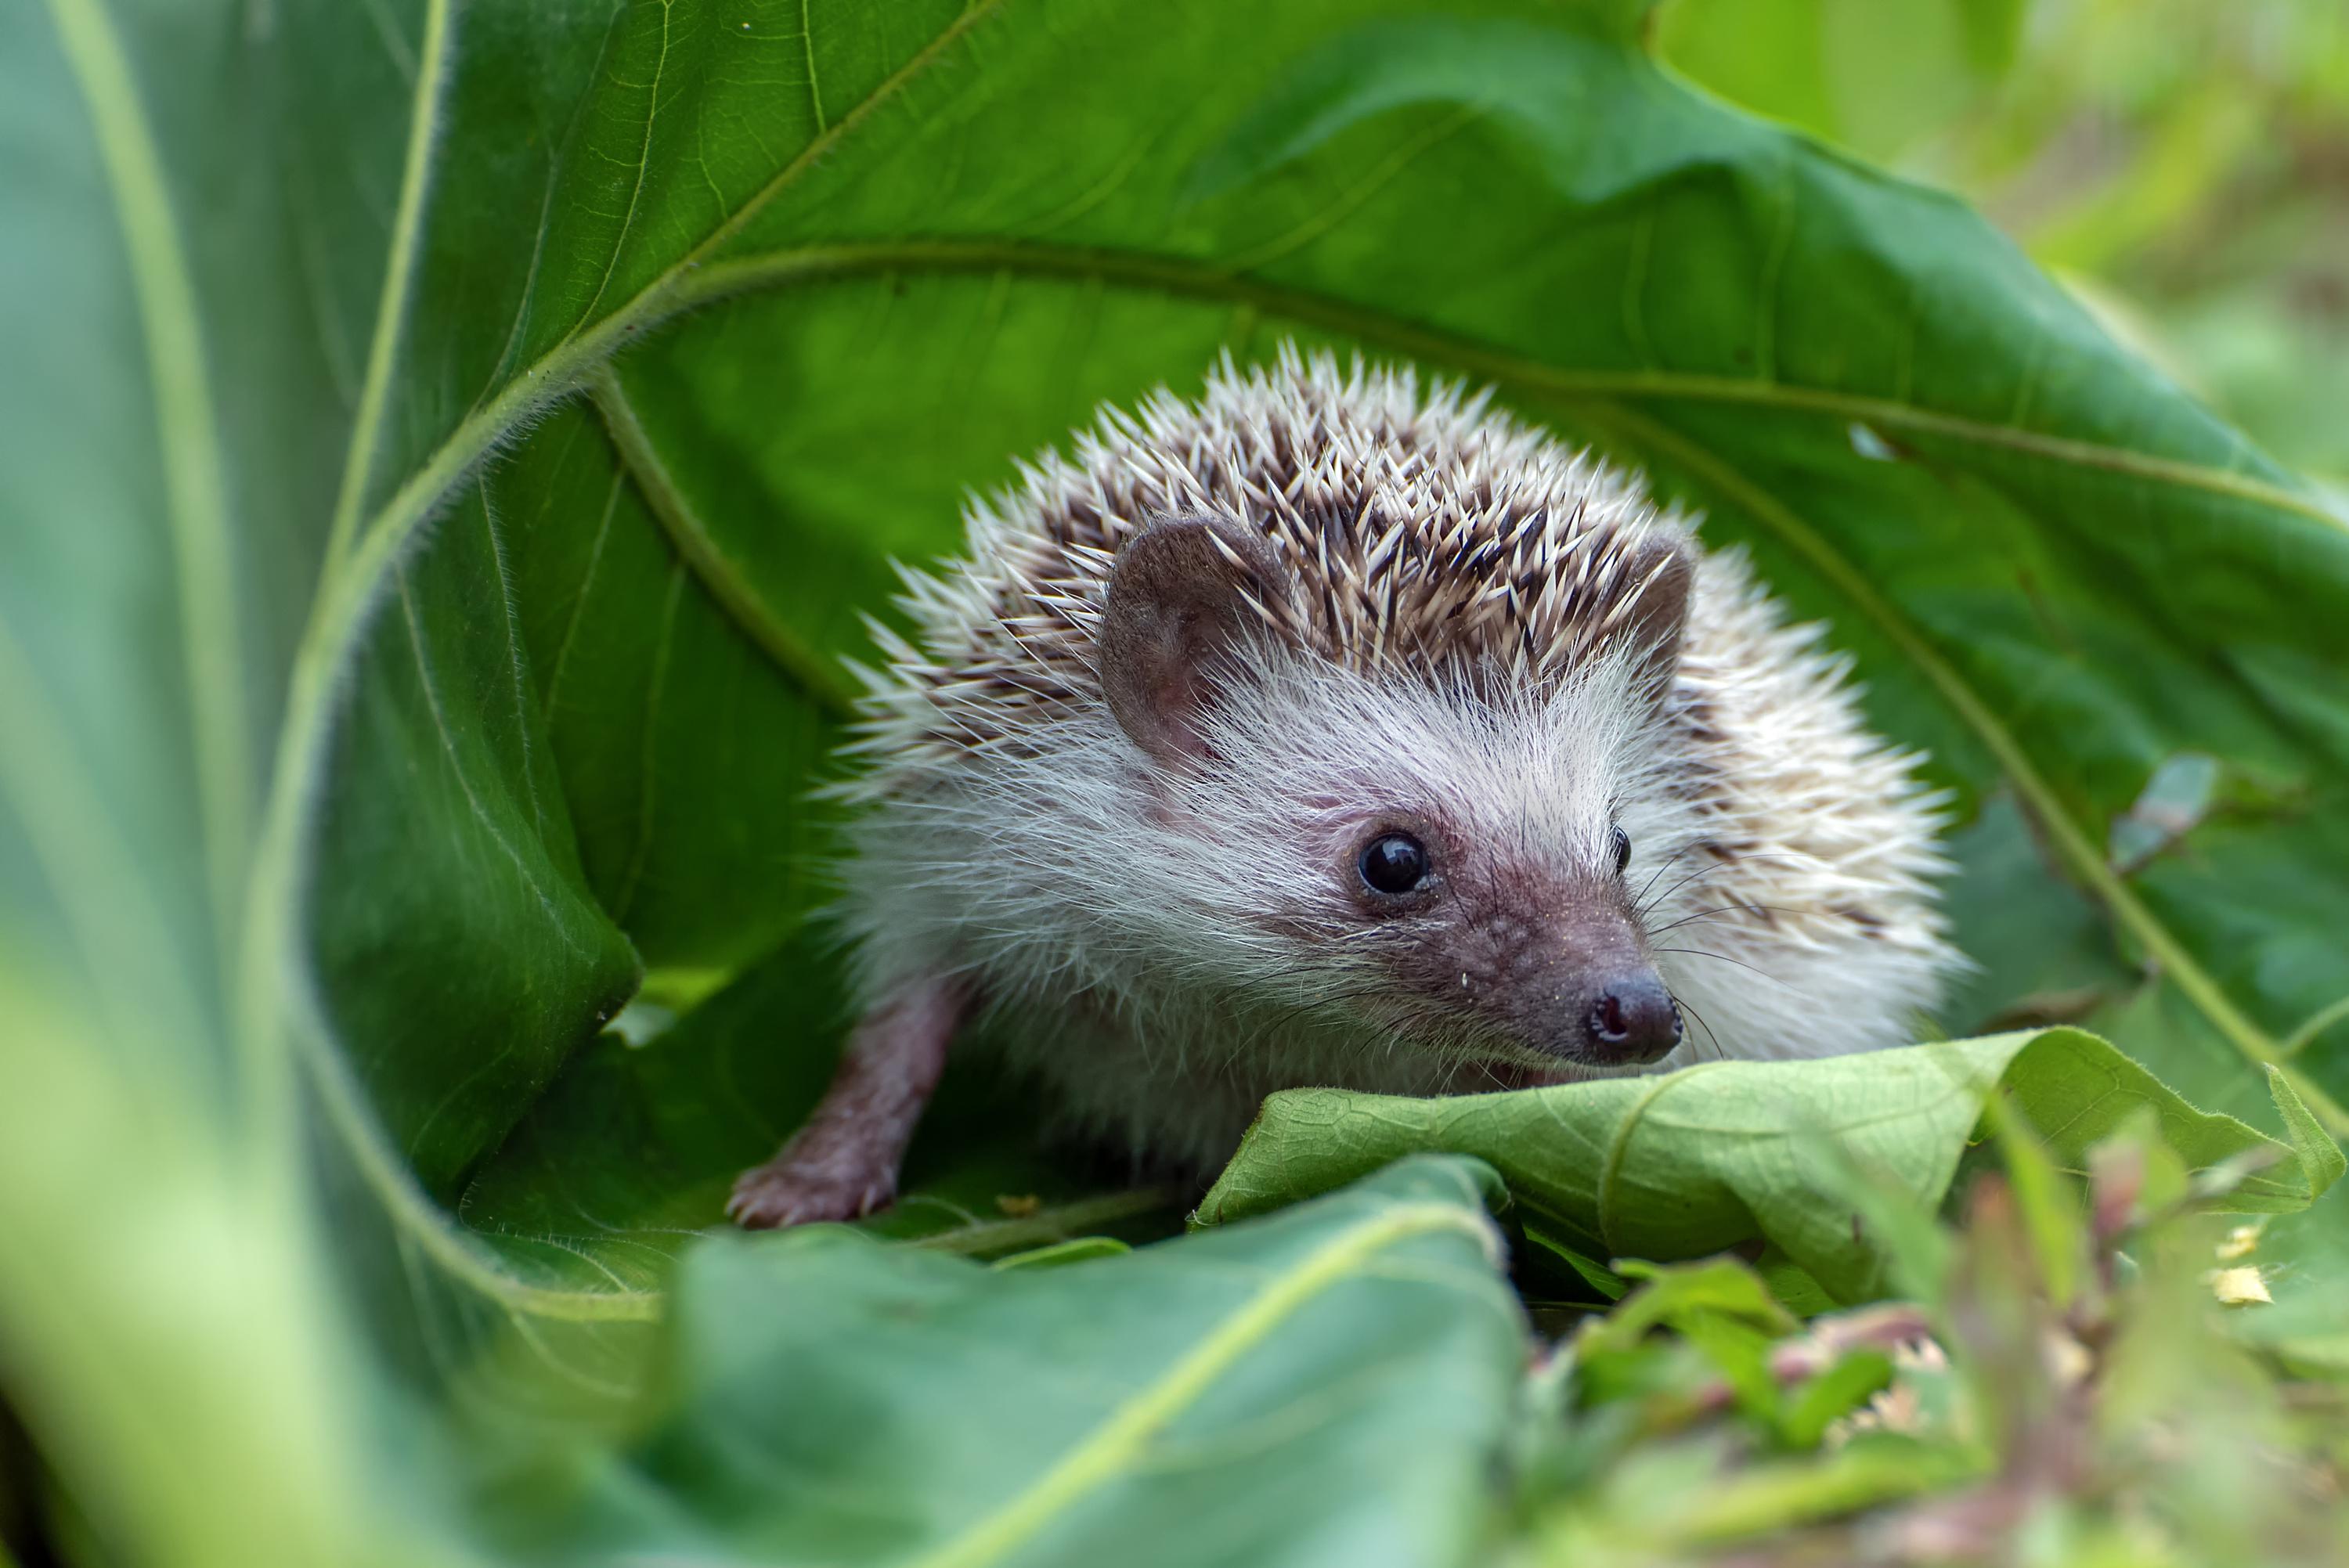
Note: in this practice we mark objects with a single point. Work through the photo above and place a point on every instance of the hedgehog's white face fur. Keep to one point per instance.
(1405, 751)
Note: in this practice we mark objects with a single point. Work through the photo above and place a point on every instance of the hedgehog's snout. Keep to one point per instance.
(1634, 1020)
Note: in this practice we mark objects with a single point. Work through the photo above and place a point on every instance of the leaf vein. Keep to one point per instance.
(398, 273)
(699, 549)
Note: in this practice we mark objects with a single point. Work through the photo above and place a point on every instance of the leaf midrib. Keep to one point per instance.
(563, 370)
(399, 273)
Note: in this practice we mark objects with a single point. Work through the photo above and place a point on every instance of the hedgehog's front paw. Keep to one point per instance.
(813, 1180)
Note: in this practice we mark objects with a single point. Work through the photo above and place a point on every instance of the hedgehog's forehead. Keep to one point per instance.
(1549, 762)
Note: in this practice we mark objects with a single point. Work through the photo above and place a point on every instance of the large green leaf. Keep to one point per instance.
(880, 332)
(1334, 1384)
(1724, 1153)
(445, 448)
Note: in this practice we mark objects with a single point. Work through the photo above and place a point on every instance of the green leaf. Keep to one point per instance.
(1577, 1271)
(1721, 1308)
(1676, 1294)
(1332, 1384)
(1797, 1292)
(2320, 1156)
(682, 563)
(1820, 1400)
(1724, 1153)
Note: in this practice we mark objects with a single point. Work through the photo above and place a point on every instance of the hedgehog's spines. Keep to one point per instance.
(1417, 532)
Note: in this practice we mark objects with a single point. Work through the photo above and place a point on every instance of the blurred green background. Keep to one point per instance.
(2182, 165)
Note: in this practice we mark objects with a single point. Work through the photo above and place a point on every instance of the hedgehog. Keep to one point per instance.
(1328, 731)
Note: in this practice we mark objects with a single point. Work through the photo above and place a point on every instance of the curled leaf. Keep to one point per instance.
(1727, 1154)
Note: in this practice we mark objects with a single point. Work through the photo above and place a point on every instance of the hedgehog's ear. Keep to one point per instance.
(1663, 568)
(1176, 604)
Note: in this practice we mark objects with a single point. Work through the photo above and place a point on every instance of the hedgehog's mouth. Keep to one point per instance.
(1500, 1075)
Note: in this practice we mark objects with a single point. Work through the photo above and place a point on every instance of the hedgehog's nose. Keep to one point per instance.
(1633, 1021)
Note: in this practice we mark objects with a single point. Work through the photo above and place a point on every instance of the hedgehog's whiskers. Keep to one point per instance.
(1725, 958)
(1711, 1039)
(1644, 903)
(1726, 909)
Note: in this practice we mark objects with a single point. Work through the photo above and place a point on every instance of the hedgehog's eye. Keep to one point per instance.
(1622, 850)
(1394, 863)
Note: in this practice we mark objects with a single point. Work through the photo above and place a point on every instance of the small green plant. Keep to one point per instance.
(2063, 1385)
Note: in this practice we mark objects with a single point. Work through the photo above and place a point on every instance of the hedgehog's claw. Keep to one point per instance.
(842, 1163)
(812, 1181)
